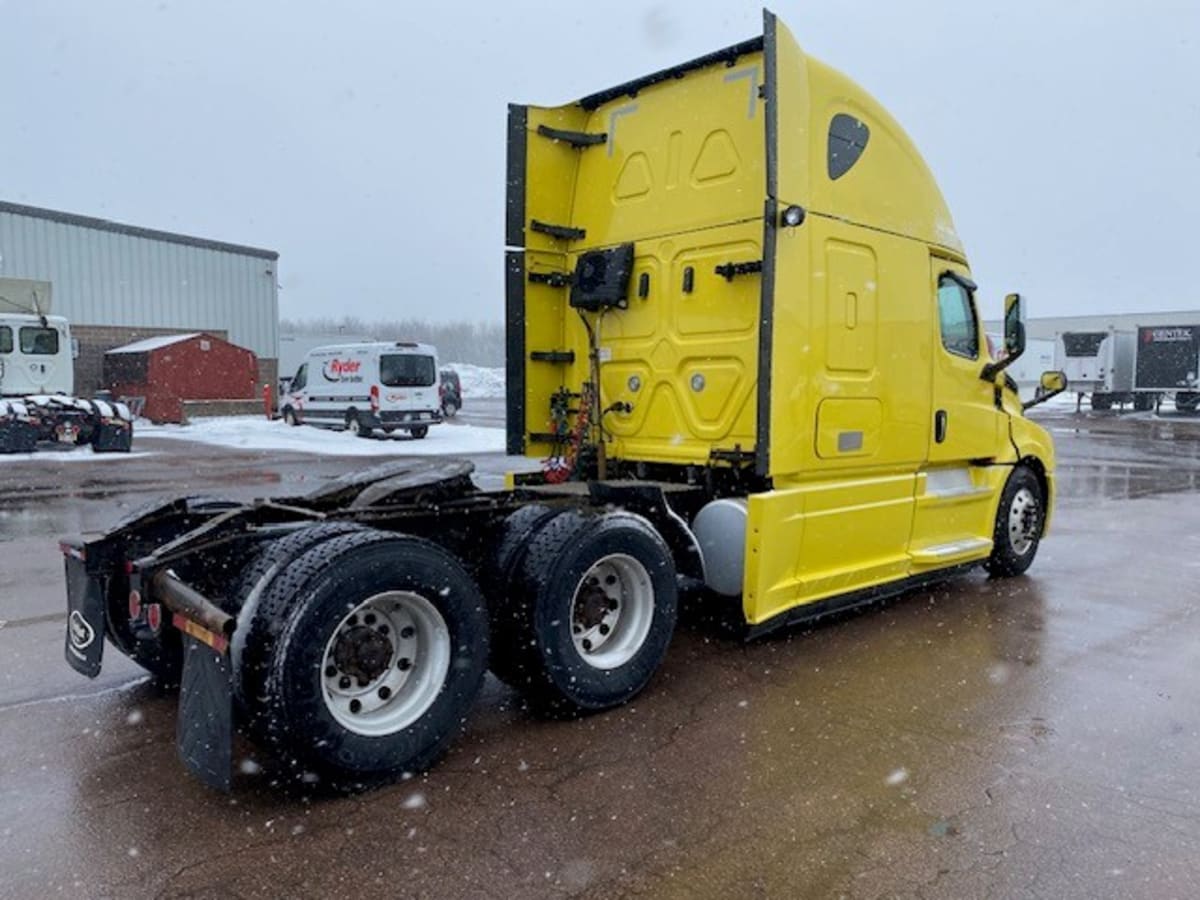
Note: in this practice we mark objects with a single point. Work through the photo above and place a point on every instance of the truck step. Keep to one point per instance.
(940, 554)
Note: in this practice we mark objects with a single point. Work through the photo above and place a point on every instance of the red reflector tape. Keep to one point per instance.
(154, 616)
(217, 641)
(135, 604)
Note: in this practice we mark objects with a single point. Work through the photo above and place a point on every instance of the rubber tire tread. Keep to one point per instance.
(304, 741)
(265, 623)
(1004, 561)
(508, 630)
(547, 675)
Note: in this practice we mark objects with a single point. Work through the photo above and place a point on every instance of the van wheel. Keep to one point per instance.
(593, 609)
(289, 416)
(1018, 528)
(355, 423)
(419, 432)
(380, 659)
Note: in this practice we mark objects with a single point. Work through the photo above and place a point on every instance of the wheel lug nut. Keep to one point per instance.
(385, 692)
(404, 664)
(344, 682)
(383, 629)
(587, 645)
(330, 671)
(611, 579)
(355, 706)
(604, 629)
(369, 618)
(407, 631)
(612, 603)
(353, 620)
(579, 629)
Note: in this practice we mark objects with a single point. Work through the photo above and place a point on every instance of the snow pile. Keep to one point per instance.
(253, 433)
(480, 382)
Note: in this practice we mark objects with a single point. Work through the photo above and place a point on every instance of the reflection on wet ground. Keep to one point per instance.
(1030, 737)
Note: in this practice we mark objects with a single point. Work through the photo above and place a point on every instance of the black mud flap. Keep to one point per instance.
(204, 732)
(85, 615)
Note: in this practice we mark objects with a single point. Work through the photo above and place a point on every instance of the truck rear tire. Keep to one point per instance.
(1101, 402)
(507, 631)
(1018, 528)
(1144, 402)
(592, 609)
(261, 613)
(379, 660)
(419, 432)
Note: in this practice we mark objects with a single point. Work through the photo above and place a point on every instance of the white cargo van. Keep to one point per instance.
(366, 386)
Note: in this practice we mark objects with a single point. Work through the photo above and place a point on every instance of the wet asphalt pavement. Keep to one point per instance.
(1036, 737)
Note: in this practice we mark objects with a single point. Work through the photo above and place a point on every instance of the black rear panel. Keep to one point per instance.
(1168, 357)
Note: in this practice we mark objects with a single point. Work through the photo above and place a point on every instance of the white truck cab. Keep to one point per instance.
(364, 386)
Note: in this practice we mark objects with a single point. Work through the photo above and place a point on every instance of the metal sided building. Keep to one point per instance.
(120, 283)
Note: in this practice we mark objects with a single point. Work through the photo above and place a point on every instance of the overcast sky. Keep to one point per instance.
(365, 141)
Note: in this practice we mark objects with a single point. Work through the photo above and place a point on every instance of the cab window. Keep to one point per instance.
(39, 341)
(956, 314)
(301, 378)
(5, 339)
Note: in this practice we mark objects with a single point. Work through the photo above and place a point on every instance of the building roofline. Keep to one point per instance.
(65, 218)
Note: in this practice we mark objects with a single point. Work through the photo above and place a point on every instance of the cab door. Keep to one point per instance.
(967, 425)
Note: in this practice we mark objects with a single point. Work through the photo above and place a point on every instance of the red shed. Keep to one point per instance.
(172, 368)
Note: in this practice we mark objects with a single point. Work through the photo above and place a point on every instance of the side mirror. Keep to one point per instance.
(1014, 325)
(1014, 337)
(1051, 384)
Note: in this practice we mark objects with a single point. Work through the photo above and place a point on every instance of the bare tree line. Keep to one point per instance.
(479, 343)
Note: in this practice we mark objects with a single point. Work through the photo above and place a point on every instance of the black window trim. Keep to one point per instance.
(5, 329)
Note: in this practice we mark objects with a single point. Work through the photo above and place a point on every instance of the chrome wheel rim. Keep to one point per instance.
(1023, 521)
(611, 611)
(385, 663)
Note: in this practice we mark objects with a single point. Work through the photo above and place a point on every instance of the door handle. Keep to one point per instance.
(939, 425)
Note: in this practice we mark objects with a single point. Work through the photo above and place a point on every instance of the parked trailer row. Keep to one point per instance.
(742, 334)
(37, 379)
(1142, 367)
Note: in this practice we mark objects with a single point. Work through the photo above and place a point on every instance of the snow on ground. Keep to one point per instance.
(479, 381)
(72, 455)
(253, 433)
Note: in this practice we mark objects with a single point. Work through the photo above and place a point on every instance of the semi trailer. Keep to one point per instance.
(1098, 364)
(1168, 365)
(37, 380)
(743, 337)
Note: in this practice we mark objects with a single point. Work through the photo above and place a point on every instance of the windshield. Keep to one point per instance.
(406, 370)
(39, 341)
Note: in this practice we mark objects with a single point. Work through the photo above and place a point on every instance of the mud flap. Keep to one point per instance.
(204, 731)
(85, 615)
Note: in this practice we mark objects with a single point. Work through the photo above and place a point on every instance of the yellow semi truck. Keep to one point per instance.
(742, 335)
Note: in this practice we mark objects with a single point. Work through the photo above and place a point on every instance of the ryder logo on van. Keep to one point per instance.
(342, 370)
